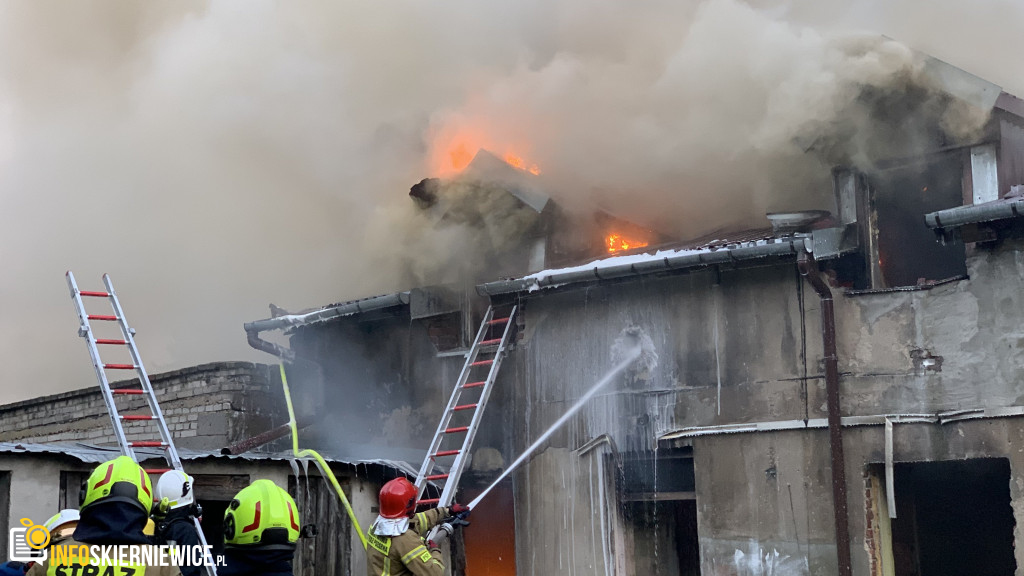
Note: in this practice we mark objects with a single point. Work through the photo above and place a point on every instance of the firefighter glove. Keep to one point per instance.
(460, 510)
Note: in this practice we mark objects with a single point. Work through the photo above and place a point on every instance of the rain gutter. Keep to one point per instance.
(809, 270)
(988, 212)
(253, 329)
(788, 247)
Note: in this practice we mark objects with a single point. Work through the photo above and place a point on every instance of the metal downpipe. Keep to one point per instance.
(809, 270)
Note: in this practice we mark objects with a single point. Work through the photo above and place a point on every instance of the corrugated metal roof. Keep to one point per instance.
(717, 240)
(95, 454)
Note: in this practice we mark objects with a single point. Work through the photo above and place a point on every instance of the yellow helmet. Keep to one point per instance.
(119, 480)
(262, 514)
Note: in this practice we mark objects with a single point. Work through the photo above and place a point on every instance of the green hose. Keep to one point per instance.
(320, 463)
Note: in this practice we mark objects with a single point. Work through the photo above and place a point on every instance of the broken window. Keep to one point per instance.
(886, 210)
(657, 491)
(906, 253)
(952, 518)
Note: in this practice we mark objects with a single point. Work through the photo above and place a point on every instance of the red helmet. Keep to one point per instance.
(397, 499)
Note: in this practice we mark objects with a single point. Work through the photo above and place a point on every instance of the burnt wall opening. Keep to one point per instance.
(953, 518)
(908, 254)
(659, 508)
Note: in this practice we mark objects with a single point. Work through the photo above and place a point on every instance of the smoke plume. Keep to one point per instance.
(214, 157)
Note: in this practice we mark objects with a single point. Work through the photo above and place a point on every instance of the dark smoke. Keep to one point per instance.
(214, 157)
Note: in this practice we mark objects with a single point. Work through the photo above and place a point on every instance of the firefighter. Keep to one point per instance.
(176, 514)
(61, 525)
(118, 499)
(261, 531)
(400, 542)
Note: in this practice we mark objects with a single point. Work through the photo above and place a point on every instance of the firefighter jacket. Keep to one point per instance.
(406, 553)
(178, 529)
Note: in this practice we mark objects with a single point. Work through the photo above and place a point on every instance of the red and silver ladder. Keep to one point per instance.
(462, 416)
(145, 389)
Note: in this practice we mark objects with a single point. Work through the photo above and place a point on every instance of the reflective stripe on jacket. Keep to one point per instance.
(407, 553)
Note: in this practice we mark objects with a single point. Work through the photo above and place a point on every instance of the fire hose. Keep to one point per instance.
(320, 462)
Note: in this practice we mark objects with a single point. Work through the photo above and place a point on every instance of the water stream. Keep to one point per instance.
(629, 356)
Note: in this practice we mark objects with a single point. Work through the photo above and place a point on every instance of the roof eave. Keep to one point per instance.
(330, 312)
(825, 244)
(963, 215)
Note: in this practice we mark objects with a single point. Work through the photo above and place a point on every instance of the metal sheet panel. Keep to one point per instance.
(984, 173)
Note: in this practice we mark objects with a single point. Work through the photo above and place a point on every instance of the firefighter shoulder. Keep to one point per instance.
(261, 531)
(397, 542)
(118, 499)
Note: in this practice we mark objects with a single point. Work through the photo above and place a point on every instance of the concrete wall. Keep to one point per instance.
(730, 348)
(206, 407)
(764, 500)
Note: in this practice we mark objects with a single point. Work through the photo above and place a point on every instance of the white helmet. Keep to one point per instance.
(58, 520)
(176, 487)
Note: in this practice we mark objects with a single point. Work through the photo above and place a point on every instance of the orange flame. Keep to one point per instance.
(619, 243)
(517, 162)
(460, 157)
(453, 151)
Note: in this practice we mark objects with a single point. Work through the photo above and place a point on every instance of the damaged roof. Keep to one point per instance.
(750, 245)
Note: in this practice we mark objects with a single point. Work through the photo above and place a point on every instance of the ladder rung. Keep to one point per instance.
(127, 391)
(94, 293)
(428, 501)
(108, 317)
(482, 363)
(437, 477)
(109, 341)
(475, 384)
(119, 366)
(148, 444)
(498, 321)
(445, 453)
(158, 470)
(465, 407)
(456, 429)
(138, 417)
(493, 342)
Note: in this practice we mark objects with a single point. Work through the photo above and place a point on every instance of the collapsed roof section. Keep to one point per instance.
(993, 164)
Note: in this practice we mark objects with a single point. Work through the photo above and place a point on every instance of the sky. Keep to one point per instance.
(217, 157)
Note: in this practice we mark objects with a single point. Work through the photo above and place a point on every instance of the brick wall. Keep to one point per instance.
(206, 407)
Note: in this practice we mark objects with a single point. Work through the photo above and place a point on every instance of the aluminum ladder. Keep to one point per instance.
(454, 434)
(166, 441)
